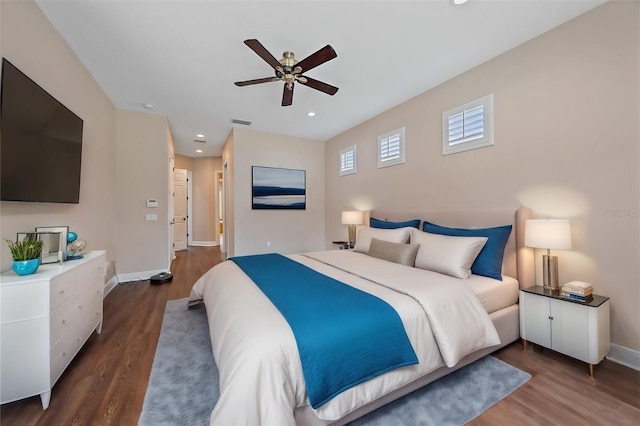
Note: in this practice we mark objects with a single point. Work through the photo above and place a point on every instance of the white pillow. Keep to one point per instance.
(363, 240)
(446, 254)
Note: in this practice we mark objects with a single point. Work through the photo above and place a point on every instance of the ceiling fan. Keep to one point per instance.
(289, 70)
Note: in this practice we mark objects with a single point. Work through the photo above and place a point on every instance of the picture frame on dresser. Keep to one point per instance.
(62, 247)
(52, 245)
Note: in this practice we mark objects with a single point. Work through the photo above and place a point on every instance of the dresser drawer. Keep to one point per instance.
(66, 285)
(79, 304)
(24, 302)
(63, 351)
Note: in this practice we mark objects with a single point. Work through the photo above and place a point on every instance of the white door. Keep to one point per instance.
(218, 217)
(171, 209)
(180, 209)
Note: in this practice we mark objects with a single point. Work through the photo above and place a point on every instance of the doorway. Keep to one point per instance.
(180, 213)
(219, 213)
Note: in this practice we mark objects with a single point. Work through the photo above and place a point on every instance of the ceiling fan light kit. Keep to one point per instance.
(289, 70)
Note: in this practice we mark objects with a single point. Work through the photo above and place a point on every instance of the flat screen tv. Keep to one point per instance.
(40, 143)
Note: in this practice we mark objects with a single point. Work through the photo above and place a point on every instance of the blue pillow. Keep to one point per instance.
(385, 224)
(489, 260)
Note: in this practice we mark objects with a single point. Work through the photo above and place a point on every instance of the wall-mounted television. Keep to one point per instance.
(40, 143)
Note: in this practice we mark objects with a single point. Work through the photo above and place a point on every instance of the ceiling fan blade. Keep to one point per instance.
(320, 57)
(319, 85)
(287, 95)
(256, 81)
(261, 51)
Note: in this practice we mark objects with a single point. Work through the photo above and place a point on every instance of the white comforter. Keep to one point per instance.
(261, 380)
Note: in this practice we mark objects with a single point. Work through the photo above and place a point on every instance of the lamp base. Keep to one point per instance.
(352, 236)
(550, 273)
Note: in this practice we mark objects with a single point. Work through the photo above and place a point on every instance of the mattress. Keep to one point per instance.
(493, 294)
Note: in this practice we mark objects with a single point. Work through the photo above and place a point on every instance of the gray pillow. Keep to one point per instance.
(404, 254)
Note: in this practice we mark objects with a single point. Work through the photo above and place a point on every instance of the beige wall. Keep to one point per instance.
(142, 173)
(289, 231)
(566, 145)
(31, 43)
(204, 214)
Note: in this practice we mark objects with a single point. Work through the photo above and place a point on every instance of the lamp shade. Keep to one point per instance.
(548, 233)
(352, 218)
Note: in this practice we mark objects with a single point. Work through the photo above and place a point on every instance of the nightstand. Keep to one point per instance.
(343, 245)
(577, 329)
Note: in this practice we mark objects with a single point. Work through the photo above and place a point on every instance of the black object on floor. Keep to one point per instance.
(161, 278)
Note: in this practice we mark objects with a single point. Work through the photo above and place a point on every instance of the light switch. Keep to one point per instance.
(152, 202)
(151, 217)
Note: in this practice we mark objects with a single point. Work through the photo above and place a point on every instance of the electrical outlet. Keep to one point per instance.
(268, 243)
(151, 217)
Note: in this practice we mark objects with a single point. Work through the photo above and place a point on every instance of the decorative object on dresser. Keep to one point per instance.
(26, 255)
(548, 234)
(74, 246)
(575, 328)
(61, 251)
(352, 218)
(44, 321)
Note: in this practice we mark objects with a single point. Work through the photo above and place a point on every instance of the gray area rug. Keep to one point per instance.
(183, 386)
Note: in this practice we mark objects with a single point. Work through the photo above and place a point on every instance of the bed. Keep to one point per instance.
(261, 376)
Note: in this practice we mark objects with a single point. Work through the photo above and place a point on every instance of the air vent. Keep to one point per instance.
(241, 122)
(199, 141)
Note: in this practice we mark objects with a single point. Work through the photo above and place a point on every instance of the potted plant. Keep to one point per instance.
(26, 255)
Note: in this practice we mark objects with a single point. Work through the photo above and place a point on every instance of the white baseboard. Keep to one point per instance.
(110, 285)
(139, 276)
(625, 356)
(205, 243)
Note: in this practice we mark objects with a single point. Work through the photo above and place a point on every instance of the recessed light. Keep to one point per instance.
(200, 136)
(311, 114)
(198, 151)
(457, 2)
(147, 106)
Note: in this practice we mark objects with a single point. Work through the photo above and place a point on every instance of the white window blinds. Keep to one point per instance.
(348, 160)
(391, 148)
(468, 126)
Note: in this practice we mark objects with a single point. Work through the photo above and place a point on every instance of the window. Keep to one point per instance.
(391, 148)
(348, 161)
(469, 126)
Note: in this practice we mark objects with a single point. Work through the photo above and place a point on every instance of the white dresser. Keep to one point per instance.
(45, 318)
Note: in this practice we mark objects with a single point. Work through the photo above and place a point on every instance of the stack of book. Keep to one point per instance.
(578, 290)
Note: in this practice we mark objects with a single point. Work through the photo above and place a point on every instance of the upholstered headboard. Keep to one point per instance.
(518, 259)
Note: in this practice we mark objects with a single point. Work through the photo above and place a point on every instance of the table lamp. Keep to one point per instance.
(548, 234)
(352, 218)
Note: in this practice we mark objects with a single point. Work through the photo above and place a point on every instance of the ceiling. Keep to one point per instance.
(182, 57)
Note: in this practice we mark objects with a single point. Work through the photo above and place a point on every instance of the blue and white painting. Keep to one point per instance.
(275, 188)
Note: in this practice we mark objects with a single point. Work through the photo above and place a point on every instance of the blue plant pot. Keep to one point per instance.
(25, 267)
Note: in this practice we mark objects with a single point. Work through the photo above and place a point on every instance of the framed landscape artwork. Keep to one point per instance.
(281, 189)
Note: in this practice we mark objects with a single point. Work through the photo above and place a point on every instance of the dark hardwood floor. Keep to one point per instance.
(106, 382)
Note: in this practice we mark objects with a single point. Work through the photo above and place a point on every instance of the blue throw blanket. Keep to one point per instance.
(345, 336)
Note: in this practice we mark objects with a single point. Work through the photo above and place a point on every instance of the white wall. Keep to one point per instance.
(567, 144)
(289, 231)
